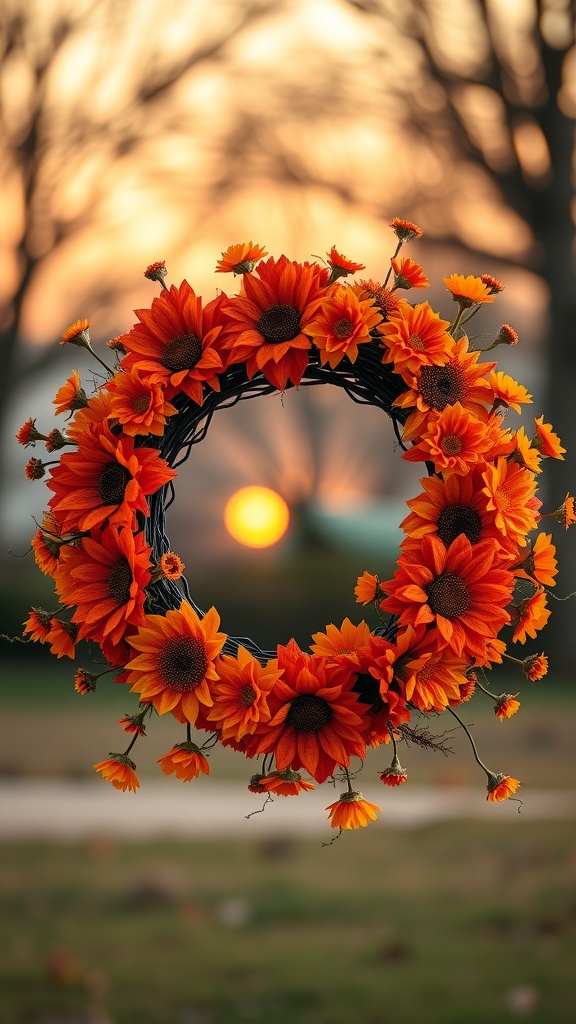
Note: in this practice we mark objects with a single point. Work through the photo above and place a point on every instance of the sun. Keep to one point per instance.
(256, 516)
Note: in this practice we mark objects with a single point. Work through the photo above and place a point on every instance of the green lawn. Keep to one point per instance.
(457, 924)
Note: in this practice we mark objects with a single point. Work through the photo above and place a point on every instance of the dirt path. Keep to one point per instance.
(60, 809)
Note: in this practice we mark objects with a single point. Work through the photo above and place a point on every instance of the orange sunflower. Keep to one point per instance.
(408, 274)
(71, 395)
(461, 379)
(456, 590)
(105, 577)
(468, 291)
(240, 693)
(340, 323)
(240, 258)
(511, 490)
(415, 336)
(139, 405)
(38, 625)
(174, 667)
(449, 508)
(454, 440)
(270, 316)
(107, 478)
(316, 719)
(94, 413)
(351, 811)
(172, 346)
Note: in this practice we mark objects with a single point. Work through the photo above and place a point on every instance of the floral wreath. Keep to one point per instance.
(468, 568)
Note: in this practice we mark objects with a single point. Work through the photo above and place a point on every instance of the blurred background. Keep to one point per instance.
(142, 131)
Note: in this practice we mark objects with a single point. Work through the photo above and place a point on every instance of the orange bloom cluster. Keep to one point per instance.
(470, 578)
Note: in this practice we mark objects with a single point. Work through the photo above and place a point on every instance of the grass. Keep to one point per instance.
(458, 924)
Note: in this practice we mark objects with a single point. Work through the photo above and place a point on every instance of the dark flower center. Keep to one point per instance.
(451, 444)
(183, 663)
(457, 519)
(448, 595)
(120, 581)
(368, 690)
(182, 353)
(112, 483)
(142, 403)
(247, 696)
(441, 385)
(308, 713)
(343, 328)
(279, 323)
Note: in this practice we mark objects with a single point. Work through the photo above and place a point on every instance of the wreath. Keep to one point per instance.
(470, 579)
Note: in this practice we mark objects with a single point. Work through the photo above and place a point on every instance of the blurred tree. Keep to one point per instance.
(88, 111)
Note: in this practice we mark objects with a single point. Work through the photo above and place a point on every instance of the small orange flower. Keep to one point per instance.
(535, 667)
(533, 615)
(255, 784)
(77, 334)
(506, 336)
(185, 761)
(71, 395)
(547, 441)
(38, 625)
(171, 566)
(156, 271)
(140, 405)
(415, 336)
(510, 490)
(565, 515)
(341, 644)
(286, 783)
(340, 324)
(241, 694)
(47, 544)
(28, 435)
(34, 469)
(541, 565)
(367, 588)
(395, 775)
(523, 453)
(405, 230)
(84, 682)
(133, 724)
(454, 440)
(351, 811)
(62, 638)
(506, 706)
(240, 258)
(339, 262)
(492, 283)
(55, 440)
(500, 787)
(507, 391)
(468, 291)
(383, 298)
(119, 771)
(408, 274)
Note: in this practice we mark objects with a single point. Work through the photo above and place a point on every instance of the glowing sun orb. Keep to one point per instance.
(256, 516)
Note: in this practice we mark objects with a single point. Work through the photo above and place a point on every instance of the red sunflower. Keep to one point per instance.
(456, 590)
(173, 668)
(270, 317)
(316, 719)
(172, 345)
(105, 577)
(107, 478)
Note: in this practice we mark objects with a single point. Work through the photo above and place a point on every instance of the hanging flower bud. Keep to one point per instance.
(405, 230)
(156, 272)
(500, 787)
(492, 283)
(84, 682)
(34, 469)
(28, 435)
(55, 440)
(506, 705)
(77, 334)
(395, 775)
